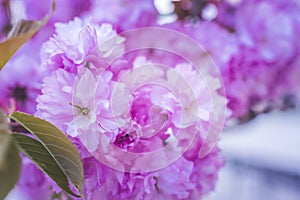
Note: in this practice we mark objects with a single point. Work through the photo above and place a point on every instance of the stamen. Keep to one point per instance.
(83, 111)
(19, 93)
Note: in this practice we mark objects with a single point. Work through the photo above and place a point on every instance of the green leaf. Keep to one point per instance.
(37, 152)
(57, 144)
(20, 34)
(10, 161)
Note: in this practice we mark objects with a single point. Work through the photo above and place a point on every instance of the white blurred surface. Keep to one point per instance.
(263, 159)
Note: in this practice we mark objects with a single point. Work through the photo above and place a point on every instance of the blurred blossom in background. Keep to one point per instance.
(255, 45)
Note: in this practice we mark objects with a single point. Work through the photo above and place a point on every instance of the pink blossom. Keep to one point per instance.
(57, 86)
(276, 38)
(19, 88)
(79, 42)
(142, 13)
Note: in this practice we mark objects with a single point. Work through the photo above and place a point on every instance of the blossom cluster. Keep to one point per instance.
(130, 107)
